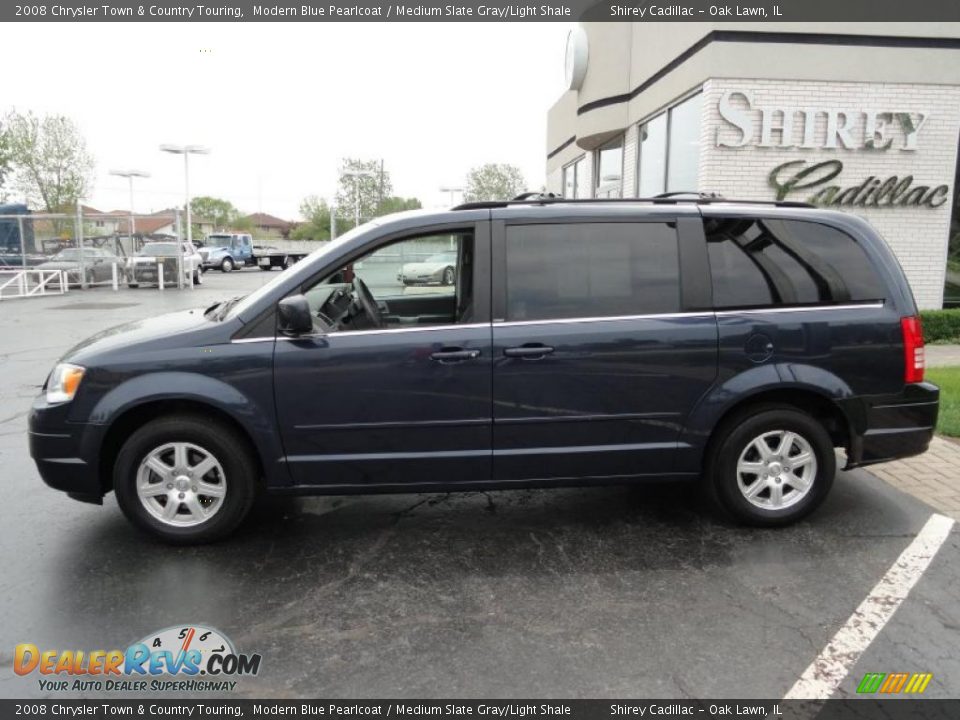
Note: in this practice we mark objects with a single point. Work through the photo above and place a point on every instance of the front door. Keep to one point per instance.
(597, 359)
(403, 398)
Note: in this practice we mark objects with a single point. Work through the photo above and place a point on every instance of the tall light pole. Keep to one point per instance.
(452, 191)
(186, 151)
(356, 190)
(130, 175)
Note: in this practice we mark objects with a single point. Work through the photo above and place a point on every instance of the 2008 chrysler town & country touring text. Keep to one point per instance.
(579, 342)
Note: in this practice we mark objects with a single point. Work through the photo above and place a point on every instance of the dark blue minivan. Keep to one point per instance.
(577, 342)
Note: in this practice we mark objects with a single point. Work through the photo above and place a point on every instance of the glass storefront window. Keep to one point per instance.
(583, 179)
(570, 181)
(652, 156)
(610, 169)
(670, 161)
(683, 156)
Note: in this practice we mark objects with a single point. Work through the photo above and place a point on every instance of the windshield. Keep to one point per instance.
(216, 240)
(158, 249)
(68, 254)
(300, 268)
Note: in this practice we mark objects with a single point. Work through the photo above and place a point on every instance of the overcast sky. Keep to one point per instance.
(280, 103)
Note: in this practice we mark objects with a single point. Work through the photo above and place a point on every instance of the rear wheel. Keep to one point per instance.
(771, 465)
(197, 277)
(185, 479)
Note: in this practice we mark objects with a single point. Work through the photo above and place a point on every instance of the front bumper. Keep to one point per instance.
(890, 427)
(60, 450)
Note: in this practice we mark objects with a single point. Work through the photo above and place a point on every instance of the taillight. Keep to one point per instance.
(913, 355)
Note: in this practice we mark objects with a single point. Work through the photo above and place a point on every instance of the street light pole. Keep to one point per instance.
(186, 151)
(130, 175)
(451, 190)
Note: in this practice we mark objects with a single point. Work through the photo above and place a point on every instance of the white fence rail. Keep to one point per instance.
(31, 283)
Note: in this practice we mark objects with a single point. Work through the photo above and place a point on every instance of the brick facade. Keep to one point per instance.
(918, 235)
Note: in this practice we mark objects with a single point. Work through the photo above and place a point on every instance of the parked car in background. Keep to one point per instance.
(143, 268)
(439, 269)
(97, 265)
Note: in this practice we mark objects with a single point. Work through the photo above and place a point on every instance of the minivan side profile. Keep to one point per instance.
(577, 342)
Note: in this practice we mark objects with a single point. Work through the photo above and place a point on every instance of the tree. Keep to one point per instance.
(221, 213)
(4, 159)
(396, 204)
(316, 214)
(371, 186)
(494, 181)
(52, 168)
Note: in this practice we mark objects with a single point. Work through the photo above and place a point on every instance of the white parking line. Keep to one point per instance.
(825, 674)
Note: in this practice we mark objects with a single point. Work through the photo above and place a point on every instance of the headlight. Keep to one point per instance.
(63, 382)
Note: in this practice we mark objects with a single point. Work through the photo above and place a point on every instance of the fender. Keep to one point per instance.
(776, 377)
(256, 418)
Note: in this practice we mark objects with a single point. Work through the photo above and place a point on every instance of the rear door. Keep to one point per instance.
(599, 350)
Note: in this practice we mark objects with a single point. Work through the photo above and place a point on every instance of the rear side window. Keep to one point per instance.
(757, 262)
(591, 270)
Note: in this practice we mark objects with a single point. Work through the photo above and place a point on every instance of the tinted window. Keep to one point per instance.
(591, 270)
(761, 262)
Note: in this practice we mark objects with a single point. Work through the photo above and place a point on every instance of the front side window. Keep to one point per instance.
(591, 270)
(763, 262)
(610, 169)
(415, 282)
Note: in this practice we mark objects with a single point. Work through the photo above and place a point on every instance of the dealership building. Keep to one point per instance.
(862, 118)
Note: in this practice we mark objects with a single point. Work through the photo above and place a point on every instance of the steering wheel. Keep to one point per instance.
(367, 302)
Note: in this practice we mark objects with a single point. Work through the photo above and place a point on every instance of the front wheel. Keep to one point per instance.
(448, 276)
(227, 265)
(185, 479)
(772, 466)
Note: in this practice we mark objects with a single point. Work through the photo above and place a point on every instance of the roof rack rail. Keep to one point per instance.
(673, 198)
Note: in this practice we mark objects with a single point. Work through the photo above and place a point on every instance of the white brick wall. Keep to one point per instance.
(918, 235)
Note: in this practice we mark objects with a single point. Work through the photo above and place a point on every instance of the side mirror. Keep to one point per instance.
(295, 319)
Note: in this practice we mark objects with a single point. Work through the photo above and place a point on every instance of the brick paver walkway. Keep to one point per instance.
(934, 477)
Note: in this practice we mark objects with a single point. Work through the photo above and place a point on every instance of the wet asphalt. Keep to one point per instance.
(596, 592)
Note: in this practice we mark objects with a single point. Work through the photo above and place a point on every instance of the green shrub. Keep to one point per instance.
(941, 326)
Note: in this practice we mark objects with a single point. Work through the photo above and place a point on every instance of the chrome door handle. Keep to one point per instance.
(453, 355)
(528, 352)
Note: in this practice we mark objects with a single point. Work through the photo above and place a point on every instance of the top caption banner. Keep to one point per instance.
(483, 11)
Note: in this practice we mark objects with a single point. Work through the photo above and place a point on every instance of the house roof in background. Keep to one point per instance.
(265, 220)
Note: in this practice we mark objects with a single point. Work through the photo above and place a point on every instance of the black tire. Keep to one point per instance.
(733, 439)
(221, 442)
(266, 268)
(226, 265)
(448, 276)
(197, 277)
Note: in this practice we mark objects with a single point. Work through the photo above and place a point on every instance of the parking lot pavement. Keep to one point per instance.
(618, 591)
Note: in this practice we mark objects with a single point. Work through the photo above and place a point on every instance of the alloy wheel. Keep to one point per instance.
(776, 469)
(181, 484)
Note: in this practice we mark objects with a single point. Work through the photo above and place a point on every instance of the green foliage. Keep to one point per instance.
(494, 181)
(941, 326)
(948, 378)
(316, 226)
(370, 186)
(221, 213)
(4, 158)
(396, 204)
(52, 168)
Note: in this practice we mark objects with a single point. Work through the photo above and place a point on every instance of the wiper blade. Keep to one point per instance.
(225, 307)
